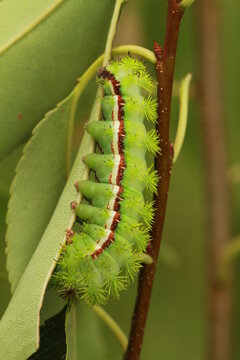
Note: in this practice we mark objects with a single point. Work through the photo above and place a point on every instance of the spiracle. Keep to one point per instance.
(105, 253)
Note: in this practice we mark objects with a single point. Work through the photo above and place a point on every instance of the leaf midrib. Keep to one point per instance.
(31, 26)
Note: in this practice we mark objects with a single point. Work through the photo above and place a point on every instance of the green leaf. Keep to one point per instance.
(52, 339)
(22, 315)
(82, 321)
(4, 285)
(44, 47)
(52, 304)
(40, 178)
(7, 170)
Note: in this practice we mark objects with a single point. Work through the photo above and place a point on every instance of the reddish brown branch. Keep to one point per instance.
(164, 73)
(218, 207)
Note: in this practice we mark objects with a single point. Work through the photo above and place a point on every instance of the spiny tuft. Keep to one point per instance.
(152, 141)
(151, 180)
(148, 213)
(147, 106)
(130, 63)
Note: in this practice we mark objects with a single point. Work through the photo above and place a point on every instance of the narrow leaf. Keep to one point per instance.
(4, 285)
(7, 170)
(22, 315)
(41, 175)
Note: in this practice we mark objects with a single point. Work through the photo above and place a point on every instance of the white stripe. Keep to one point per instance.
(116, 125)
(97, 247)
(104, 238)
(115, 169)
(115, 108)
(109, 221)
(111, 88)
(115, 191)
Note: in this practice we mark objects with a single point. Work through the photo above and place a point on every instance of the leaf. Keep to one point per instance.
(22, 314)
(52, 339)
(40, 178)
(7, 170)
(4, 285)
(52, 304)
(44, 47)
(83, 321)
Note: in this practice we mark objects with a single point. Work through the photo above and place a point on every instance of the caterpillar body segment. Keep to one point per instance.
(134, 108)
(130, 83)
(127, 201)
(105, 254)
(125, 226)
(126, 170)
(129, 137)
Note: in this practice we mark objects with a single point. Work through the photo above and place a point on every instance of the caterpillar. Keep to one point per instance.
(104, 253)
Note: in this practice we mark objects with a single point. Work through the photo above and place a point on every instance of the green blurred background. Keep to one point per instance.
(176, 327)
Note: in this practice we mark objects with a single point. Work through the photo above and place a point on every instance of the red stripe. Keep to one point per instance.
(116, 205)
(108, 242)
(105, 74)
(121, 169)
(115, 221)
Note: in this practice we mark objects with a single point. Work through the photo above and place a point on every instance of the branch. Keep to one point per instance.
(164, 73)
(219, 297)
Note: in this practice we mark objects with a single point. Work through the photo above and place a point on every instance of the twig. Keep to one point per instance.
(164, 73)
(218, 207)
(112, 31)
(183, 116)
(112, 325)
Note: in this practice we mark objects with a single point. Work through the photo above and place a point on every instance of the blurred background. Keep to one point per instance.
(177, 326)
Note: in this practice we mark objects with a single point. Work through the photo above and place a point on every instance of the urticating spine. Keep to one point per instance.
(102, 257)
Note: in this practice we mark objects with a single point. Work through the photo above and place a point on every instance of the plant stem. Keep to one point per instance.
(112, 31)
(164, 73)
(219, 295)
(183, 116)
(74, 333)
(113, 326)
(136, 50)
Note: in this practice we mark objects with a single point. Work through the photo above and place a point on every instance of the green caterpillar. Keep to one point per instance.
(105, 253)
